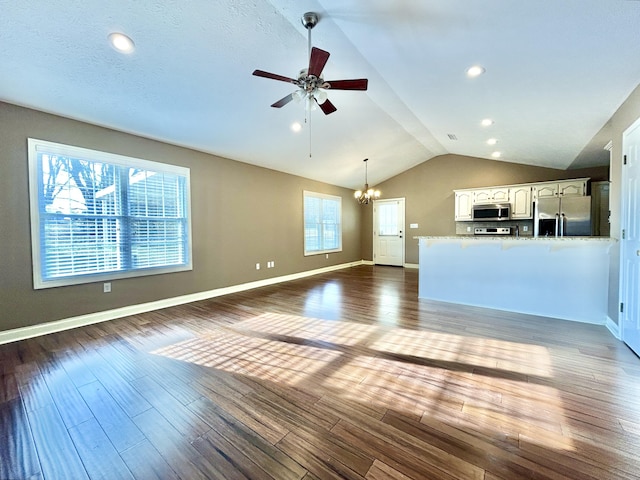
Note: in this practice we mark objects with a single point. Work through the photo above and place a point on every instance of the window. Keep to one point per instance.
(97, 216)
(322, 223)
(387, 219)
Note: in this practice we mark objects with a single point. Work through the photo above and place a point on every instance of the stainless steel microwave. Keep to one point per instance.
(494, 212)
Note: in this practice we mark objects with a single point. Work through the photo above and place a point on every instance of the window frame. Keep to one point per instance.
(35, 147)
(322, 250)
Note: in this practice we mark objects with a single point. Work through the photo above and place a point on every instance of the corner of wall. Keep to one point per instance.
(613, 327)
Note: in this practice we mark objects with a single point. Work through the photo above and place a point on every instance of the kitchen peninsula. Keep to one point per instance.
(564, 278)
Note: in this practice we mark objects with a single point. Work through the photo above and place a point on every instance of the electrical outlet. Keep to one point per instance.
(326, 255)
(257, 266)
(525, 228)
(468, 229)
(106, 287)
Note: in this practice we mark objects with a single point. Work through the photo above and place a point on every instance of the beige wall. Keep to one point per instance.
(241, 215)
(231, 232)
(428, 190)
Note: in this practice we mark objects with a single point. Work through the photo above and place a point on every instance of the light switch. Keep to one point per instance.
(413, 225)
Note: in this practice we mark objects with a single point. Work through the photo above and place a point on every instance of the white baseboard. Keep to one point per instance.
(23, 333)
(613, 327)
(406, 265)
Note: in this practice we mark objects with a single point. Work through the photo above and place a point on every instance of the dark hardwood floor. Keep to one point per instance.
(341, 375)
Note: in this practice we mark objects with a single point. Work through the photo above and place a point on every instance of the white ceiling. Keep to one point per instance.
(556, 70)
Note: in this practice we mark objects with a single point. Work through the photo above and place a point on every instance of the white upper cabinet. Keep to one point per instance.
(569, 188)
(491, 195)
(520, 199)
(572, 188)
(464, 205)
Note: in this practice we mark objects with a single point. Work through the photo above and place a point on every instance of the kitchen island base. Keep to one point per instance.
(565, 278)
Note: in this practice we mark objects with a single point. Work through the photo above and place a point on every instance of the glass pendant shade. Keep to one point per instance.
(298, 95)
(321, 96)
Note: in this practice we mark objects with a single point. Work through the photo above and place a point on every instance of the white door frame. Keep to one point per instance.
(625, 211)
(401, 221)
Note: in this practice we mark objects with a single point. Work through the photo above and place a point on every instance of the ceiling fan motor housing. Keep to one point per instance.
(309, 20)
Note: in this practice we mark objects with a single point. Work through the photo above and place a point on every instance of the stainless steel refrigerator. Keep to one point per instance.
(562, 217)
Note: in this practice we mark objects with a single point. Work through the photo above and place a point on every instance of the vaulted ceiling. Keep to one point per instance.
(555, 72)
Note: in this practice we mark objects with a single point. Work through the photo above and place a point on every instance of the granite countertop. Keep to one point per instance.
(514, 238)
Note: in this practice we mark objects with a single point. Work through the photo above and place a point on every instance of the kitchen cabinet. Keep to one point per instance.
(464, 205)
(520, 196)
(521, 203)
(569, 188)
(491, 195)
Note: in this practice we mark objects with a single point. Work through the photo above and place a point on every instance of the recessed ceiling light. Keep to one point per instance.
(492, 141)
(475, 71)
(296, 127)
(496, 154)
(487, 122)
(121, 42)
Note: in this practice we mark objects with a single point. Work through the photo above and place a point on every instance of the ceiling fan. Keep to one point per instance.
(311, 86)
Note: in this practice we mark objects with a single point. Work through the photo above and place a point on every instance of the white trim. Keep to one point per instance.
(322, 196)
(23, 333)
(35, 147)
(367, 262)
(411, 265)
(613, 327)
(400, 201)
(625, 209)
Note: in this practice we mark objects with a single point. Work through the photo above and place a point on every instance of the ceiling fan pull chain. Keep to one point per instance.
(309, 136)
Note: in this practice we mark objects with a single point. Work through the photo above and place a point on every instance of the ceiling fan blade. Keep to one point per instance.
(327, 107)
(356, 84)
(283, 101)
(317, 61)
(274, 76)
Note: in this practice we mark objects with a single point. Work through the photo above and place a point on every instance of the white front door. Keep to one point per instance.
(630, 241)
(388, 232)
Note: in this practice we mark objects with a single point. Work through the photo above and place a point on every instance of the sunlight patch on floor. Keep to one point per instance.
(484, 384)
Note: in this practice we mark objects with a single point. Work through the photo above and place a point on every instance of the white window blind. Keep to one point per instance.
(322, 223)
(98, 216)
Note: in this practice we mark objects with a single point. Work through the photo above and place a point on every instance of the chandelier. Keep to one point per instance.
(367, 194)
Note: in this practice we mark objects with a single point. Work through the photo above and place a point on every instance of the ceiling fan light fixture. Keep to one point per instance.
(321, 96)
(310, 80)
